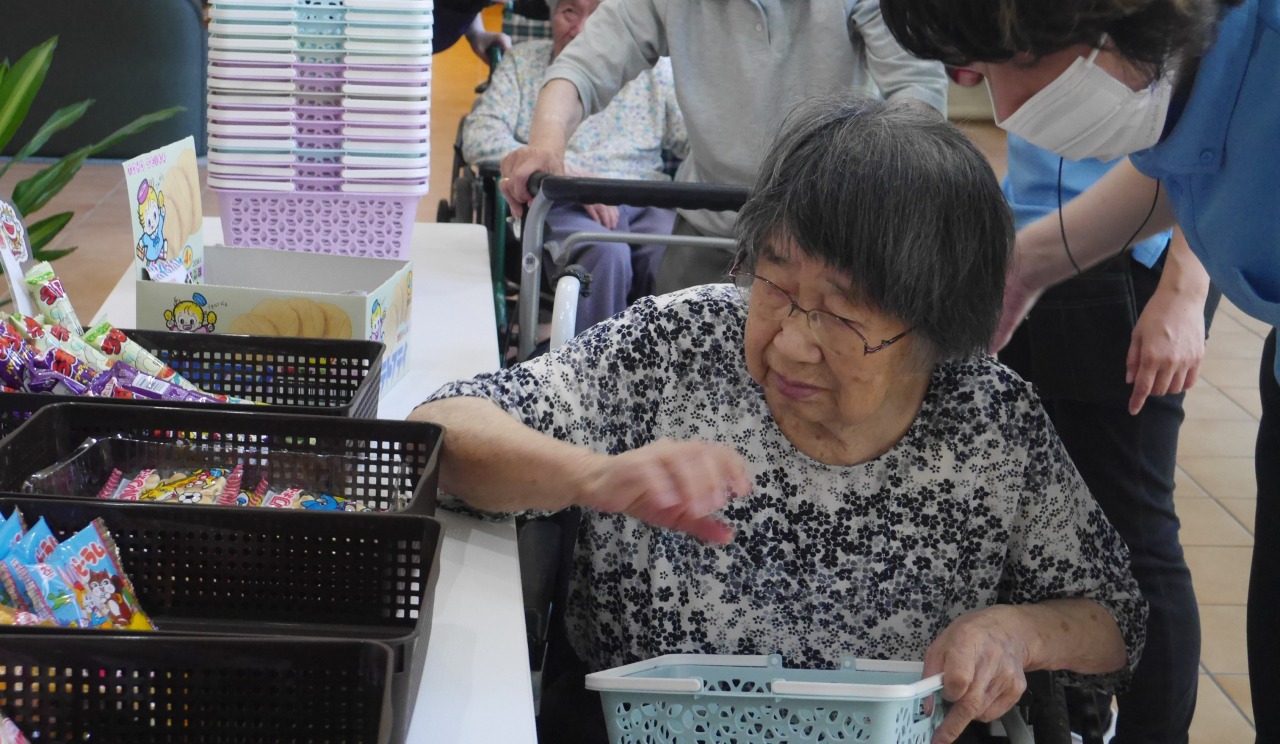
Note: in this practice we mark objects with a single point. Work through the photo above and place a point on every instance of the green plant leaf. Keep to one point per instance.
(42, 232)
(31, 194)
(4, 68)
(61, 119)
(19, 87)
(53, 255)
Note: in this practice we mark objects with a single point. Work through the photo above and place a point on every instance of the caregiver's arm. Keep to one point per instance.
(495, 463)
(1097, 224)
(983, 654)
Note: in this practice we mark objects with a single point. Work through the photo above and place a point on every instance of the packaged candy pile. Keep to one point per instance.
(77, 583)
(177, 472)
(51, 354)
(9, 733)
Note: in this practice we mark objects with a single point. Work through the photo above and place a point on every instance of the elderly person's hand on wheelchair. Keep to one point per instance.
(818, 459)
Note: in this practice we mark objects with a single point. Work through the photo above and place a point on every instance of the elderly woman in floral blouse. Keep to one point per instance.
(818, 459)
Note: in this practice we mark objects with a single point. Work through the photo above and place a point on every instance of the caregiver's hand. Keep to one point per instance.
(981, 655)
(677, 485)
(1166, 348)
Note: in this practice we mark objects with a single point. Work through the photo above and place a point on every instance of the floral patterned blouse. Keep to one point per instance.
(976, 504)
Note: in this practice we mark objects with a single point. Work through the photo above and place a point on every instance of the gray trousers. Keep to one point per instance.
(688, 266)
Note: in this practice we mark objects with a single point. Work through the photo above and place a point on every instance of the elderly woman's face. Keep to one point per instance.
(835, 405)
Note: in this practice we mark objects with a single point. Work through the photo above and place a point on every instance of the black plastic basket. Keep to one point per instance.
(386, 458)
(60, 686)
(290, 375)
(205, 572)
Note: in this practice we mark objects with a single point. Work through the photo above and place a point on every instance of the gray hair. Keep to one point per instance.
(901, 204)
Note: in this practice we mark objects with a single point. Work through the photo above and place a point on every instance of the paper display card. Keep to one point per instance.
(163, 187)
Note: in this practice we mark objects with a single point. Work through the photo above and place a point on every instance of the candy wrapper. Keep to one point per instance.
(189, 486)
(120, 348)
(47, 292)
(15, 358)
(12, 616)
(124, 377)
(11, 532)
(9, 733)
(90, 561)
(62, 362)
(298, 498)
(50, 595)
(34, 547)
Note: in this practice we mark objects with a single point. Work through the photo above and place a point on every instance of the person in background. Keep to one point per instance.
(739, 66)
(1186, 89)
(1110, 352)
(820, 459)
(454, 19)
(626, 140)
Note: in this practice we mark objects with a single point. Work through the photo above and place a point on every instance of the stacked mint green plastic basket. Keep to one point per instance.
(715, 699)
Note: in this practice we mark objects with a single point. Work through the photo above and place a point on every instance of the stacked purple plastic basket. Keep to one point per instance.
(319, 115)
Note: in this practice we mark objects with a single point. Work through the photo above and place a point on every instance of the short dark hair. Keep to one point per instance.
(901, 204)
(1149, 33)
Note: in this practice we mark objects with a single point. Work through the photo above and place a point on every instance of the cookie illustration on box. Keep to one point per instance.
(164, 200)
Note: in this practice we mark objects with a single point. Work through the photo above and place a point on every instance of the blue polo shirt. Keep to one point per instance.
(1031, 187)
(1221, 162)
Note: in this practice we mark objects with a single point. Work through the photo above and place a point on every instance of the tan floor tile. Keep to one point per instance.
(1222, 646)
(1244, 510)
(1217, 720)
(1252, 324)
(1242, 344)
(1185, 487)
(1205, 522)
(1217, 438)
(1230, 372)
(1245, 397)
(1205, 401)
(1221, 575)
(1221, 477)
(1237, 688)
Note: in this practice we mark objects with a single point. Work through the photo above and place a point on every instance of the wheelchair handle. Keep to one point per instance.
(615, 191)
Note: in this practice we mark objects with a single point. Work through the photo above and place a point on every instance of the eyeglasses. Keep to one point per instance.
(830, 330)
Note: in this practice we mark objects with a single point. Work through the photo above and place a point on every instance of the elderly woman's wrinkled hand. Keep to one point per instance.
(982, 656)
(518, 165)
(677, 485)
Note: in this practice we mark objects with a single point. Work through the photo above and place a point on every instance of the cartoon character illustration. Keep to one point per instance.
(325, 502)
(377, 319)
(151, 213)
(190, 497)
(189, 316)
(104, 589)
(11, 232)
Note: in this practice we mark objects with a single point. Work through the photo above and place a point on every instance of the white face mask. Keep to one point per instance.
(1087, 113)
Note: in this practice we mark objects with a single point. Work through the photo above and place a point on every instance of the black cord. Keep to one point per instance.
(1062, 228)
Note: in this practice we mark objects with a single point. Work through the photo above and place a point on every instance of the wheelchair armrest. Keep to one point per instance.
(666, 194)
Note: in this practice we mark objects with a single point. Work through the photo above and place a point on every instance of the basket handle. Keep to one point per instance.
(876, 692)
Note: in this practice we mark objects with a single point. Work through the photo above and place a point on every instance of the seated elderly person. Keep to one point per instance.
(625, 140)
(819, 459)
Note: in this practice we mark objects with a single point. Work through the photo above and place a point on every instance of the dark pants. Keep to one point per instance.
(1264, 579)
(1073, 347)
(619, 272)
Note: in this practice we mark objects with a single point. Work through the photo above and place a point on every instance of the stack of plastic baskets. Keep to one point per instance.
(693, 698)
(319, 118)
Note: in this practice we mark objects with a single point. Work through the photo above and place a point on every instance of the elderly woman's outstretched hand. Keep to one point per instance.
(677, 485)
(981, 655)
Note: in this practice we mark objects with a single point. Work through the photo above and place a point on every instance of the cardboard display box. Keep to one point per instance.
(265, 292)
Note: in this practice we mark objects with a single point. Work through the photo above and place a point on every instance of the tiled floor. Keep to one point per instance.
(1215, 491)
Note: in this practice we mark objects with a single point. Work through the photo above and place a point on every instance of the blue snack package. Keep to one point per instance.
(50, 595)
(11, 532)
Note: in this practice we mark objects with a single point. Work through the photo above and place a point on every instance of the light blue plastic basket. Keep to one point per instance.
(712, 699)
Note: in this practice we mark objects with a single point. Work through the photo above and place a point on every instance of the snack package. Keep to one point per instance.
(9, 733)
(15, 357)
(48, 381)
(91, 563)
(124, 378)
(74, 344)
(12, 616)
(33, 547)
(49, 594)
(120, 348)
(298, 498)
(46, 290)
(11, 531)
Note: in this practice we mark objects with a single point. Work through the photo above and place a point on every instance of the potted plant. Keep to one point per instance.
(19, 84)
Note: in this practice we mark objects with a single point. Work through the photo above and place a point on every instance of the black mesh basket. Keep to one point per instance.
(379, 460)
(290, 375)
(204, 574)
(83, 686)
